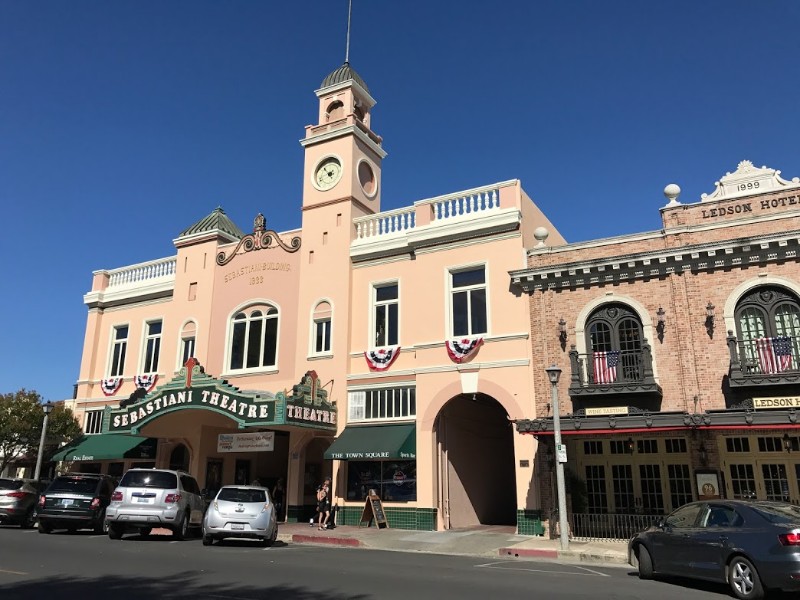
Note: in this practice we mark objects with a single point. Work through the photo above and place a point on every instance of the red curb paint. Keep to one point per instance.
(333, 541)
(532, 552)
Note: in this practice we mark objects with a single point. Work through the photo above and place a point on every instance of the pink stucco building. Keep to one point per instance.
(385, 349)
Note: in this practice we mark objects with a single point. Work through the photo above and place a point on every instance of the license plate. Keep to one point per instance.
(237, 526)
(67, 502)
(143, 499)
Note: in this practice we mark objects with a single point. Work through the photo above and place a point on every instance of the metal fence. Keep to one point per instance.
(586, 526)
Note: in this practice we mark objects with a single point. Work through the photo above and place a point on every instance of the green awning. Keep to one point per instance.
(107, 446)
(375, 442)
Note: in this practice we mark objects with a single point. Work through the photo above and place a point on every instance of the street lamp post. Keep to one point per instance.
(553, 373)
(48, 408)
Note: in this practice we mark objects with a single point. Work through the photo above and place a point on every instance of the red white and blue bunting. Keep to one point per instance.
(111, 385)
(459, 350)
(381, 358)
(145, 382)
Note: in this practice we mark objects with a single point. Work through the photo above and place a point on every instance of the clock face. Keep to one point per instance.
(328, 173)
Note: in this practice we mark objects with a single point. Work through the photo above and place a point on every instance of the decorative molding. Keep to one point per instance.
(261, 239)
(749, 180)
(439, 369)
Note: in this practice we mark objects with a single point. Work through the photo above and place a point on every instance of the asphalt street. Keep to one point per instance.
(84, 565)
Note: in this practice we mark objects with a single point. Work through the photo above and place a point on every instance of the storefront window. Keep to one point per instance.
(395, 481)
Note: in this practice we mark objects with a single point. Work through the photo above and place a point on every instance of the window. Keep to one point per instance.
(468, 302)
(394, 480)
(386, 315)
(254, 339)
(684, 517)
(676, 446)
(93, 422)
(647, 446)
(768, 327)
(152, 346)
(382, 404)
(737, 444)
(188, 339)
(322, 328)
(614, 339)
(118, 351)
(680, 484)
(593, 447)
(743, 481)
(596, 498)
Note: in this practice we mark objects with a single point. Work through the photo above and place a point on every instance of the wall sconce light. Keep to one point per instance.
(661, 322)
(788, 442)
(703, 454)
(629, 447)
(710, 319)
(562, 330)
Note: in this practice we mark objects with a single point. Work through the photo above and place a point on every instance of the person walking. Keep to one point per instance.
(324, 504)
(278, 494)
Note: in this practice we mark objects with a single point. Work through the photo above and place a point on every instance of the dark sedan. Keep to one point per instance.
(752, 546)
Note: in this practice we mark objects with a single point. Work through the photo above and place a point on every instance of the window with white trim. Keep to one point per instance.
(384, 404)
(468, 302)
(118, 350)
(386, 314)
(152, 347)
(254, 338)
(188, 338)
(322, 329)
(93, 422)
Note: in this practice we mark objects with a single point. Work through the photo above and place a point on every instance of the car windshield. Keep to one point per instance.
(75, 485)
(241, 495)
(150, 479)
(779, 513)
(10, 484)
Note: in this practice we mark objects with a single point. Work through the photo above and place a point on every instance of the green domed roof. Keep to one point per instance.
(342, 74)
(216, 221)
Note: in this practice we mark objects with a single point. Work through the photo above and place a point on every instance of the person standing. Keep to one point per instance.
(324, 504)
(278, 495)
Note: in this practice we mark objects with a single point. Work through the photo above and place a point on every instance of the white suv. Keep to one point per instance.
(148, 498)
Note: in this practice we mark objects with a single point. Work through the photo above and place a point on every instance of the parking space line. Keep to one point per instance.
(504, 566)
(13, 572)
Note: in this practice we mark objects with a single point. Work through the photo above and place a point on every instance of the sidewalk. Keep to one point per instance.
(485, 541)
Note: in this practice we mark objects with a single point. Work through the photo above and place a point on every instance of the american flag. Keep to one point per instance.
(605, 366)
(774, 354)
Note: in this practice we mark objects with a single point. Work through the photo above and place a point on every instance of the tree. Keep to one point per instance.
(21, 417)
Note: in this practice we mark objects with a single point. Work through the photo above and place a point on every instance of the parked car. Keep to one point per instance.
(18, 502)
(75, 501)
(241, 511)
(148, 498)
(752, 546)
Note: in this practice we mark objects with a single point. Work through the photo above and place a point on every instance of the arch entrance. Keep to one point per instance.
(475, 447)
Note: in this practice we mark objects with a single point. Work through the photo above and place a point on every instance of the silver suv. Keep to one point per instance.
(148, 498)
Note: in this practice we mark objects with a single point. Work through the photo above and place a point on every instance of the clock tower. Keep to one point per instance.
(341, 182)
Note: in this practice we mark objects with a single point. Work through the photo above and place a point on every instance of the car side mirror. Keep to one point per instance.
(661, 524)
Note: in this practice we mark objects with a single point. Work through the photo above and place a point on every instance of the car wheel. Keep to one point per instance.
(114, 532)
(271, 539)
(45, 528)
(145, 531)
(182, 531)
(29, 520)
(207, 540)
(645, 563)
(744, 580)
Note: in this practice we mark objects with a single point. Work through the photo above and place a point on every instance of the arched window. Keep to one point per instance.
(614, 339)
(321, 330)
(254, 339)
(188, 339)
(768, 327)
(335, 110)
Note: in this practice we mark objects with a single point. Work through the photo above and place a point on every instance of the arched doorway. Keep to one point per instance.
(179, 458)
(477, 479)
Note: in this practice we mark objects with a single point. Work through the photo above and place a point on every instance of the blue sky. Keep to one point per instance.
(124, 122)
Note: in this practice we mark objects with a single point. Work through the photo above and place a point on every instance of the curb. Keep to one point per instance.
(329, 541)
(528, 553)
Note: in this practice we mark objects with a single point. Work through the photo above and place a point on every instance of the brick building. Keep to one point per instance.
(679, 350)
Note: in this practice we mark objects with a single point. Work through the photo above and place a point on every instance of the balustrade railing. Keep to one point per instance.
(477, 201)
(386, 223)
(612, 367)
(143, 272)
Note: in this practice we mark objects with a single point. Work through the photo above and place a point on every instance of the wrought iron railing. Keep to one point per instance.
(588, 526)
(766, 356)
(609, 368)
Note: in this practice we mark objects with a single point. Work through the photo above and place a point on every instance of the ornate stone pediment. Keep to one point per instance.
(748, 180)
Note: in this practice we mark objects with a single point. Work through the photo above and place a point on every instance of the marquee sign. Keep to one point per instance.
(192, 388)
